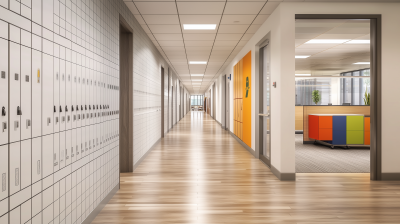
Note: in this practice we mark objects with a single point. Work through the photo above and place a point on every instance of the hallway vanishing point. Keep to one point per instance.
(199, 173)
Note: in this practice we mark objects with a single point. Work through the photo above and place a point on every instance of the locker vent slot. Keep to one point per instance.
(3, 74)
(16, 176)
(27, 78)
(38, 167)
(3, 181)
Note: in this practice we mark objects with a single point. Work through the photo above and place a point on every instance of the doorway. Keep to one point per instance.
(227, 122)
(162, 102)
(265, 104)
(126, 94)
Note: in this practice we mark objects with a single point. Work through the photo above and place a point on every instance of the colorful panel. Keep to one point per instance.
(325, 122)
(355, 137)
(339, 130)
(355, 123)
(313, 127)
(367, 131)
(246, 96)
(325, 134)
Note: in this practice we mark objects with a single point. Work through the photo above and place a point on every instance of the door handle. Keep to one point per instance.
(3, 111)
(16, 176)
(28, 123)
(16, 124)
(4, 182)
(38, 167)
(55, 110)
(19, 112)
(60, 109)
(66, 108)
(263, 115)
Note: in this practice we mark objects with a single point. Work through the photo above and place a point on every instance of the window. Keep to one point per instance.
(196, 100)
(354, 89)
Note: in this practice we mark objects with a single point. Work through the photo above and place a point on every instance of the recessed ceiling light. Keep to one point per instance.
(197, 74)
(362, 63)
(358, 42)
(302, 74)
(302, 56)
(197, 80)
(199, 26)
(197, 62)
(326, 41)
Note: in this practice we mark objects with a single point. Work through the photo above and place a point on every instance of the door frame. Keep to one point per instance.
(376, 83)
(162, 101)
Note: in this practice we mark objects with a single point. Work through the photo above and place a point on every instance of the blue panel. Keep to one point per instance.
(339, 123)
(339, 137)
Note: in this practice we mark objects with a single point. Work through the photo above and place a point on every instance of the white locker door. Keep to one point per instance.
(88, 101)
(15, 92)
(47, 154)
(48, 105)
(26, 166)
(61, 149)
(4, 171)
(15, 167)
(83, 141)
(4, 92)
(92, 138)
(83, 97)
(26, 79)
(78, 96)
(95, 103)
(88, 140)
(57, 161)
(78, 143)
(74, 80)
(73, 145)
(36, 82)
(68, 147)
(56, 99)
(68, 101)
(63, 81)
(36, 159)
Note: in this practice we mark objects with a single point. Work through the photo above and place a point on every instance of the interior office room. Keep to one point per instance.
(328, 105)
(178, 111)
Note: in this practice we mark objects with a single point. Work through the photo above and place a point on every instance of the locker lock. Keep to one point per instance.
(90, 107)
(77, 108)
(19, 112)
(72, 108)
(85, 107)
(60, 109)
(3, 111)
(66, 108)
(94, 107)
(100, 106)
(55, 110)
(81, 107)
(97, 107)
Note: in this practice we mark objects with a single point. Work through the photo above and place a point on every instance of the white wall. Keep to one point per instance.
(281, 26)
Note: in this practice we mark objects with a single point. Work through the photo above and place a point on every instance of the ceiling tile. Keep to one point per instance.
(161, 19)
(132, 7)
(253, 29)
(155, 8)
(224, 36)
(172, 36)
(232, 28)
(171, 43)
(269, 8)
(139, 19)
(200, 8)
(237, 19)
(223, 43)
(145, 28)
(260, 19)
(188, 36)
(243, 7)
(200, 19)
(165, 28)
(198, 43)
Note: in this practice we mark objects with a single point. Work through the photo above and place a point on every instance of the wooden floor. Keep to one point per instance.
(201, 174)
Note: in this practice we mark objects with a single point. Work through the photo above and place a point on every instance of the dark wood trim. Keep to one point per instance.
(376, 83)
(162, 102)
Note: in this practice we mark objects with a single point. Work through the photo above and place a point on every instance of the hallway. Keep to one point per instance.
(200, 174)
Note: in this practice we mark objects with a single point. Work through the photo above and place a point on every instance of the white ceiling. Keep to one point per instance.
(237, 21)
(331, 59)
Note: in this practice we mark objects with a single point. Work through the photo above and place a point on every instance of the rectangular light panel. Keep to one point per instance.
(302, 74)
(301, 56)
(197, 62)
(197, 74)
(199, 26)
(326, 41)
(358, 42)
(362, 63)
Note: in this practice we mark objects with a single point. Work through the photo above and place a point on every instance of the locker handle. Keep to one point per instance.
(48, 121)
(55, 110)
(66, 108)
(19, 112)
(4, 182)
(4, 126)
(77, 108)
(60, 109)
(85, 107)
(3, 111)
(72, 107)
(38, 167)
(28, 123)
(94, 107)
(90, 107)
(56, 163)
(81, 107)
(98, 107)
(16, 176)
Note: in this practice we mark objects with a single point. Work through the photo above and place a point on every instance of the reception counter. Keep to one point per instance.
(339, 114)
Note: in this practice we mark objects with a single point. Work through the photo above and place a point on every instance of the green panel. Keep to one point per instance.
(355, 123)
(355, 137)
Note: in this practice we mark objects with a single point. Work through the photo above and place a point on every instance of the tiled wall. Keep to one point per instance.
(59, 96)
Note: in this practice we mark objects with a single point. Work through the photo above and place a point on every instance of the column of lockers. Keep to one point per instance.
(47, 173)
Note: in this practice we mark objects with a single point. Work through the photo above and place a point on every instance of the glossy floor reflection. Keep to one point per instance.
(200, 174)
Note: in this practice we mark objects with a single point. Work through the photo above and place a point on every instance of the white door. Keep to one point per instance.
(36, 93)
(4, 93)
(4, 171)
(48, 106)
(26, 79)
(67, 147)
(58, 162)
(15, 92)
(68, 95)
(15, 167)
(47, 154)
(62, 103)
(36, 159)
(26, 166)
(56, 99)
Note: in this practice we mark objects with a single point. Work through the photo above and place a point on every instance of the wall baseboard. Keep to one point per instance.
(101, 205)
(146, 154)
(252, 152)
(283, 176)
(390, 176)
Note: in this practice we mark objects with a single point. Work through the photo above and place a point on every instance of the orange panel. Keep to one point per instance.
(246, 94)
(367, 124)
(325, 134)
(325, 122)
(367, 138)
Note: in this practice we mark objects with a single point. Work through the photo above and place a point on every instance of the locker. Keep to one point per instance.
(48, 214)
(47, 14)
(15, 92)
(68, 148)
(73, 146)
(26, 209)
(87, 95)
(4, 92)
(36, 159)
(47, 97)
(26, 121)
(61, 150)
(68, 95)
(15, 167)
(15, 215)
(36, 204)
(4, 172)
(88, 139)
(62, 102)
(56, 92)
(36, 87)
(83, 142)
(78, 96)
(83, 97)
(37, 219)
(78, 143)
(47, 154)
(26, 166)
(58, 163)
